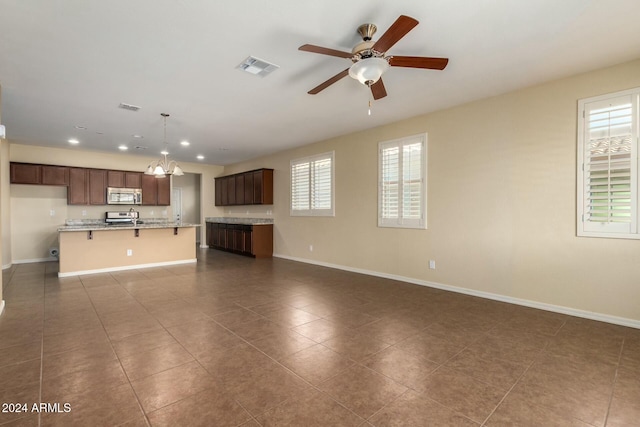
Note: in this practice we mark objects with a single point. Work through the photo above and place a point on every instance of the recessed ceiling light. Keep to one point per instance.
(185, 143)
(80, 127)
(164, 152)
(123, 148)
(137, 136)
(200, 157)
(73, 141)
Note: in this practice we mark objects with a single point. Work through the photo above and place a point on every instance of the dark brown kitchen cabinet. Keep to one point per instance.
(55, 175)
(164, 191)
(263, 187)
(244, 239)
(246, 188)
(150, 190)
(97, 187)
(123, 179)
(78, 190)
(218, 191)
(115, 179)
(156, 191)
(240, 189)
(231, 191)
(25, 173)
(132, 180)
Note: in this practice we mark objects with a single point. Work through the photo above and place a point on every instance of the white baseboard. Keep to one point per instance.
(4, 267)
(632, 323)
(29, 261)
(1, 307)
(127, 267)
(204, 246)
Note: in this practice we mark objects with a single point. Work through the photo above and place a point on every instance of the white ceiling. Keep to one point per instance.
(67, 63)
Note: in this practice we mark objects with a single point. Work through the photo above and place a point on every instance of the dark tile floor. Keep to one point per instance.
(234, 341)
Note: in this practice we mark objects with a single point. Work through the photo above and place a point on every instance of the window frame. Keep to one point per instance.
(400, 222)
(311, 211)
(583, 229)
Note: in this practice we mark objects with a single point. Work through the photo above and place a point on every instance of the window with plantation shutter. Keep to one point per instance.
(401, 182)
(312, 185)
(608, 165)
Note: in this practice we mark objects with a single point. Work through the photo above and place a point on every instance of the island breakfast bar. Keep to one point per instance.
(99, 248)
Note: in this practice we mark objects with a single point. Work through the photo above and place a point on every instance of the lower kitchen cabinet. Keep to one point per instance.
(243, 239)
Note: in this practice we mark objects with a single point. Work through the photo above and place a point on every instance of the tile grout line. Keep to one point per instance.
(146, 418)
(288, 370)
(615, 382)
(514, 385)
(195, 359)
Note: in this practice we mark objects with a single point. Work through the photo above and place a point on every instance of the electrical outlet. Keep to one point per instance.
(52, 212)
(310, 248)
(84, 213)
(129, 252)
(432, 264)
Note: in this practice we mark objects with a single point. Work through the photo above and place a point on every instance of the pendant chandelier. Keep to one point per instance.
(164, 167)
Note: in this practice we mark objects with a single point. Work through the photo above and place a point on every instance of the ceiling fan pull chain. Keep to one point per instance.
(369, 107)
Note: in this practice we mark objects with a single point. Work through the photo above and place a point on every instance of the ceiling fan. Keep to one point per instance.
(370, 60)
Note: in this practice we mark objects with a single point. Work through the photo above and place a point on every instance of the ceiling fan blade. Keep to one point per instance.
(329, 82)
(325, 51)
(377, 90)
(419, 62)
(398, 30)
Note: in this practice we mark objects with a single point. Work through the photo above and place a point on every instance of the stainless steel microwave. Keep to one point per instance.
(124, 196)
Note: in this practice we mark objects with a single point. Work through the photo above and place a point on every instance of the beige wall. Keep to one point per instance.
(501, 204)
(34, 229)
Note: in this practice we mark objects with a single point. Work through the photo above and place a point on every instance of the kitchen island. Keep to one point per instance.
(99, 248)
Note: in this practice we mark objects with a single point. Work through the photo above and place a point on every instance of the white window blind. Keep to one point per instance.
(402, 183)
(312, 185)
(608, 166)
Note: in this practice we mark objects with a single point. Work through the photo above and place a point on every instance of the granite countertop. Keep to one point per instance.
(104, 227)
(243, 221)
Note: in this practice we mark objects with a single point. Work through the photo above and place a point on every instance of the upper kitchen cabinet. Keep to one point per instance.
(78, 190)
(55, 175)
(26, 173)
(156, 191)
(122, 179)
(149, 190)
(246, 188)
(97, 186)
(164, 191)
(87, 187)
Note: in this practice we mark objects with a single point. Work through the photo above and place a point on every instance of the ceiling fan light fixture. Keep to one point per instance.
(369, 70)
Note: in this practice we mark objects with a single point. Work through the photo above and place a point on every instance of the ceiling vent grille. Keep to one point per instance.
(257, 67)
(129, 107)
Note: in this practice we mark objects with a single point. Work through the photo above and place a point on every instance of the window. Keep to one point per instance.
(608, 165)
(402, 189)
(312, 186)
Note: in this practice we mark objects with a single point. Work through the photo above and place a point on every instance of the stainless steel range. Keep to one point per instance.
(130, 217)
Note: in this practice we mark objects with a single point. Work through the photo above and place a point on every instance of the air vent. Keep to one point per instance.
(128, 107)
(257, 67)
